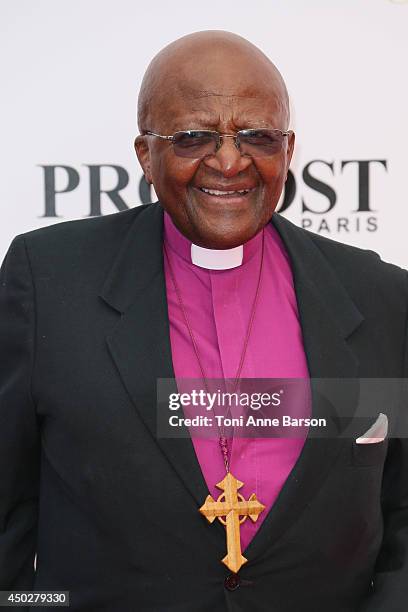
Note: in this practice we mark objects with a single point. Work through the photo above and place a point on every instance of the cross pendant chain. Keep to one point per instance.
(230, 508)
(224, 451)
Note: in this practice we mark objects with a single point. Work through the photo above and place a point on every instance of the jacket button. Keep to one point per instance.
(232, 582)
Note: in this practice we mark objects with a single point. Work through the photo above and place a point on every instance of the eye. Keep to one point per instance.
(193, 138)
(262, 142)
(262, 137)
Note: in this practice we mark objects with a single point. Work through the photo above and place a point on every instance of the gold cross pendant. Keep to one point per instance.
(232, 506)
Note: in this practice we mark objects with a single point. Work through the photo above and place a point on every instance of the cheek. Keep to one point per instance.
(171, 173)
(272, 173)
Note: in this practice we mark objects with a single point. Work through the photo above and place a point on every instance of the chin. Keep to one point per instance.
(225, 239)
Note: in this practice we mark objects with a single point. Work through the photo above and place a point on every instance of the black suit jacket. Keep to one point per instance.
(112, 511)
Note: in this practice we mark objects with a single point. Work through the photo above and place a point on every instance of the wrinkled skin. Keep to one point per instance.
(213, 80)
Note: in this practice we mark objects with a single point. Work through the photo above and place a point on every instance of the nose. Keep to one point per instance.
(228, 159)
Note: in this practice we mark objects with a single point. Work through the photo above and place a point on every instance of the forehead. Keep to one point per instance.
(215, 85)
(186, 107)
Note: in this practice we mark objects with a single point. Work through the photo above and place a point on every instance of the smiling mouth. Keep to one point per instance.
(225, 193)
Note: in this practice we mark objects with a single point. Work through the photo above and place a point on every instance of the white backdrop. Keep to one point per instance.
(70, 73)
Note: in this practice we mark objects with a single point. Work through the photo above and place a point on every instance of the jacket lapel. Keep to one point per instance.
(140, 347)
(328, 318)
(325, 308)
(140, 344)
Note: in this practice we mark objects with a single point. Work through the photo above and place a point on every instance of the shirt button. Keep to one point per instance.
(232, 582)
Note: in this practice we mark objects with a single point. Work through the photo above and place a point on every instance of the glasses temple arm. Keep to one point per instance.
(158, 135)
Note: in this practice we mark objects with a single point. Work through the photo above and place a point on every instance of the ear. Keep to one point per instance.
(143, 155)
(290, 149)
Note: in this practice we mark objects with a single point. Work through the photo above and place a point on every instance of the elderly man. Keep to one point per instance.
(207, 283)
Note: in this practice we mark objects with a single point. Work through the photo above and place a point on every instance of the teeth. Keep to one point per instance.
(218, 192)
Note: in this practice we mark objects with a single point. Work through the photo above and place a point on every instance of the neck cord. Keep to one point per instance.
(222, 439)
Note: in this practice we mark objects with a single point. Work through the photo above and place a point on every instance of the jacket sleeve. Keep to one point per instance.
(19, 435)
(390, 581)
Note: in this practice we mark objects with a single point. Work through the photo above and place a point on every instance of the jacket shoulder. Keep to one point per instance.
(364, 274)
(81, 251)
(67, 234)
(368, 280)
(361, 261)
(369, 260)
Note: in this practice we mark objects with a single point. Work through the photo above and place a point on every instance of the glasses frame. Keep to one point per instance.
(219, 137)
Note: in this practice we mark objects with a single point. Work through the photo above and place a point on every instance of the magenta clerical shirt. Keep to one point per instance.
(218, 304)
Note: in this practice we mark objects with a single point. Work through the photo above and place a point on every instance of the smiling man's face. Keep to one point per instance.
(215, 83)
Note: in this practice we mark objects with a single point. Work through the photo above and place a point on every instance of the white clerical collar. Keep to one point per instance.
(214, 259)
(211, 259)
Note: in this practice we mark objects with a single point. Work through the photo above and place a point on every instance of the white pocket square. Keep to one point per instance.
(376, 433)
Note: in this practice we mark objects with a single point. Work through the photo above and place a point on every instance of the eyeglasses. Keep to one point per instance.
(197, 144)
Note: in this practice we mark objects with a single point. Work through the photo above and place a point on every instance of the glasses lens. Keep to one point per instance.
(260, 143)
(195, 143)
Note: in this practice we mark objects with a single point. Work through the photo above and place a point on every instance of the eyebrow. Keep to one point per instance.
(205, 119)
(212, 121)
